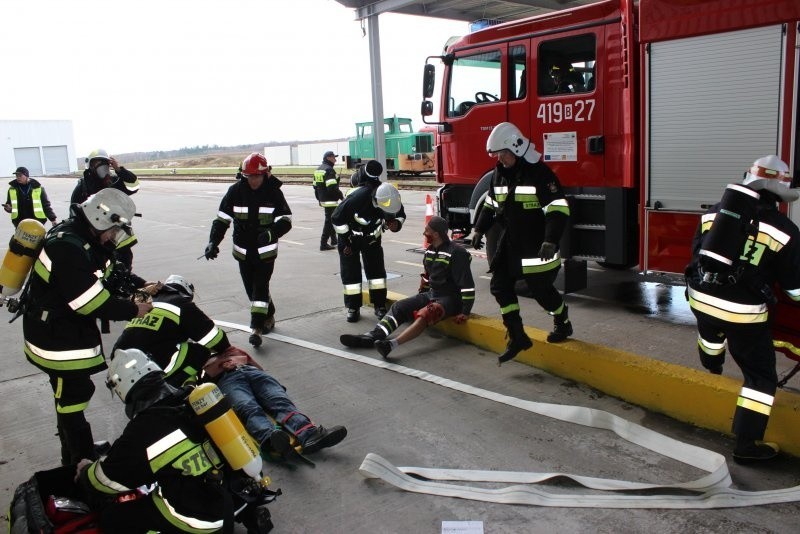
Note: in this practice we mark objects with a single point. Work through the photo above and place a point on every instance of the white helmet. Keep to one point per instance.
(180, 285)
(387, 198)
(110, 208)
(97, 153)
(506, 136)
(126, 369)
(770, 173)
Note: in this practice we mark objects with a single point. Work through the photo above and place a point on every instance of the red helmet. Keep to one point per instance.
(255, 163)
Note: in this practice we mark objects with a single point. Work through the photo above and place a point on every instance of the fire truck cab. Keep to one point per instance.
(645, 110)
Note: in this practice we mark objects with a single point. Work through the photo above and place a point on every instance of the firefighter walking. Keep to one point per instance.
(67, 294)
(526, 200)
(743, 247)
(328, 194)
(359, 222)
(258, 211)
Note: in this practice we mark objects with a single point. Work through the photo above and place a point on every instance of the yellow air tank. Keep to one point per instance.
(22, 252)
(236, 445)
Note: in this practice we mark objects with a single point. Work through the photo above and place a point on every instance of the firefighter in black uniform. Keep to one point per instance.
(260, 216)
(164, 444)
(328, 194)
(446, 290)
(98, 176)
(359, 222)
(68, 291)
(744, 246)
(176, 333)
(526, 200)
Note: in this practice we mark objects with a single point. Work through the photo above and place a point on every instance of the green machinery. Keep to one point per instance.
(407, 151)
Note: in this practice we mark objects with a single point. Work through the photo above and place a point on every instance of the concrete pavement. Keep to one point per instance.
(634, 357)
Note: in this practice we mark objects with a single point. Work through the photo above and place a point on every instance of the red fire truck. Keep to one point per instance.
(645, 110)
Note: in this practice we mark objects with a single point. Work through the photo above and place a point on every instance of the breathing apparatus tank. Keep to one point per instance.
(22, 251)
(236, 445)
(723, 244)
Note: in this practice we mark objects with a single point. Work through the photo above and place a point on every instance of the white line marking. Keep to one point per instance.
(409, 263)
(292, 242)
(404, 243)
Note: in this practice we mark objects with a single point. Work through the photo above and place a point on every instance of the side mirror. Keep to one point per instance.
(427, 108)
(428, 80)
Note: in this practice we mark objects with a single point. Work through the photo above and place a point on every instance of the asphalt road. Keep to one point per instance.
(406, 420)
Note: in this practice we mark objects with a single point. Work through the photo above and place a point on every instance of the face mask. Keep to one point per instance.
(102, 171)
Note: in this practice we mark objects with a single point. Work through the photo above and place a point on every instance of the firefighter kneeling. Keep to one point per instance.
(165, 444)
(745, 245)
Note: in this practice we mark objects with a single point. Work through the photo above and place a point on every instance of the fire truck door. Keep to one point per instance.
(567, 107)
(475, 96)
(519, 79)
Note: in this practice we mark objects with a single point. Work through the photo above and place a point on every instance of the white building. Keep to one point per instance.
(43, 147)
(304, 153)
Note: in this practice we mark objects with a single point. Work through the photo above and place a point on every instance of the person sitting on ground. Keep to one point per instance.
(446, 290)
(260, 401)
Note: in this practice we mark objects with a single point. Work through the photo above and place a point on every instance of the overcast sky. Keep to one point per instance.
(149, 75)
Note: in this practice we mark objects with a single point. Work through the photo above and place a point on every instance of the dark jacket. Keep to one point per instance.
(163, 444)
(67, 294)
(259, 217)
(775, 259)
(357, 220)
(528, 203)
(29, 201)
(177, 335)
(448, 274)
(126, 181)
(326, 186)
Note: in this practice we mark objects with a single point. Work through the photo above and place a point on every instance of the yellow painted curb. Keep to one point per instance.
(685, 394)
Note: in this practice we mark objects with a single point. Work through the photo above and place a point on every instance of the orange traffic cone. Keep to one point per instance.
(428, 215)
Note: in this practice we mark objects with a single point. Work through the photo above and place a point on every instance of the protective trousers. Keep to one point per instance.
(350, 268)
(258, 399)
(256, 275)
(751, 348)
(327, 226)
(540, 285)
(72, 394)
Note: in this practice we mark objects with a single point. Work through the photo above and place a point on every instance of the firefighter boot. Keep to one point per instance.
(353, 315)
(323, 244)
(518, 340)
(362, 341)
(334, 241)
(749, 451)
(562, 328)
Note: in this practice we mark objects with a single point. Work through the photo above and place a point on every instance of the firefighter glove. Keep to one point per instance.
(212, 251)
(477, 240)
(547, 251)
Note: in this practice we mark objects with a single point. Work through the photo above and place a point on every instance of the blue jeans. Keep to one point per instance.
(256, 397)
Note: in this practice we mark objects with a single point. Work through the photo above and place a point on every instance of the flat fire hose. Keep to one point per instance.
(710, 491)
